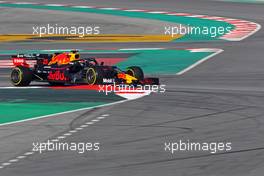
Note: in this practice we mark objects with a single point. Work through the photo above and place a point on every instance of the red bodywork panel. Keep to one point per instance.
(20, 62)
(121, 76)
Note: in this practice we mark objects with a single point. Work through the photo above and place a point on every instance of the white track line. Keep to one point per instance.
(133, 49)
(83, 7)
(62, 137)
(21, 157)
(134, 10)
(89, 123)
(199, 62)
(72, 131)
(54, 5)
(13, 160)
(29, 153)
(30, 87)
(109, 8)
(68, 134)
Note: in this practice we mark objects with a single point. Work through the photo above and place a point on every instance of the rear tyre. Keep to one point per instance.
(94, 75)
(21, 76)
(136, 72)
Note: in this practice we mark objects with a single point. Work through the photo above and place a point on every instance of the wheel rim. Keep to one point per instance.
(15, 76)
(91, 76)
(130, 72)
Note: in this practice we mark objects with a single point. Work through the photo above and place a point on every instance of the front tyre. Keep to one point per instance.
(136, 72)
(94, 75)
(21, 76)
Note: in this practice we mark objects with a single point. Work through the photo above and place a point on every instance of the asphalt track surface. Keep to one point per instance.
(221, 100)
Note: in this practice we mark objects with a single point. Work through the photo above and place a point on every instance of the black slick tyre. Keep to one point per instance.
(21, 76)
(136, 72)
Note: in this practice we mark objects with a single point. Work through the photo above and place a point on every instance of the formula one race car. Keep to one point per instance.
(68, 68)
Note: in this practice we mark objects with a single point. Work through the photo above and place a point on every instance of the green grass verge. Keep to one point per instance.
(12, 112)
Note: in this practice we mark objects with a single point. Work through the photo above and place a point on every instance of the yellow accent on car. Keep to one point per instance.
(64, 58)
(129, 79)
(74, 56)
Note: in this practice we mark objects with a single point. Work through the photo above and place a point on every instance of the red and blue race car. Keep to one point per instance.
(69, 68)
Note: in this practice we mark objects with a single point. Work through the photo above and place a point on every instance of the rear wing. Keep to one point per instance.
(28, 60)
(32, 56)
